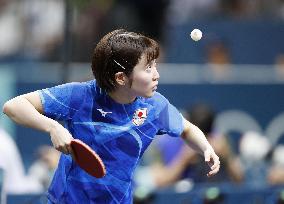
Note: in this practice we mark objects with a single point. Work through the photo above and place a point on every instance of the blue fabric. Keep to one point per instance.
(119, 133)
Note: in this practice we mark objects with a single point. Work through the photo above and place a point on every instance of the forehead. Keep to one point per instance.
(143, 59)
(142, 62)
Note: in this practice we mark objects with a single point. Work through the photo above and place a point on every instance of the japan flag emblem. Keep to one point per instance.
(139, 116)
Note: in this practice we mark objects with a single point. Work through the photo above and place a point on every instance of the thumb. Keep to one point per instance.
(72, 153)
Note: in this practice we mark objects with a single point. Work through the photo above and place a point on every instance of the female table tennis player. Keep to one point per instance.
(117, 114)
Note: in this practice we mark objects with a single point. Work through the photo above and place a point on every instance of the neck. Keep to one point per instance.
(122, 96)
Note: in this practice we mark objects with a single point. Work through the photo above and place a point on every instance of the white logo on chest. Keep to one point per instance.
(103, 112)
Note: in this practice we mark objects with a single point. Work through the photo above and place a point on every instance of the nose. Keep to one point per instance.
(156, 75)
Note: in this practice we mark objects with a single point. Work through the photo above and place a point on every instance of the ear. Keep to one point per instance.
(120, 78)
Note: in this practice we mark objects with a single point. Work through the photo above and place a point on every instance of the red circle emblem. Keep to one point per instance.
(140, 114)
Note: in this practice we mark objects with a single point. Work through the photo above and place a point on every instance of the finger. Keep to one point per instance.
(216, 163)
(71, 152)
(66, 151)
(207, 156)
(213, 172)
(63, 149)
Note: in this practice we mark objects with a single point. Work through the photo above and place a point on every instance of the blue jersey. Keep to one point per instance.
(119, 133)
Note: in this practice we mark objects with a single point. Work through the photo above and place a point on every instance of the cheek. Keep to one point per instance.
(143, 80)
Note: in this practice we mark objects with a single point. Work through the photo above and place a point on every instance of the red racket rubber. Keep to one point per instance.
(88, 159)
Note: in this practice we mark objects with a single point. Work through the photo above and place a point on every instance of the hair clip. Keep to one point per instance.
(119, 64)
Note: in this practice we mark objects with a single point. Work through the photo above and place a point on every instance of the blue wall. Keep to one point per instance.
(262, 101)
(249, 42)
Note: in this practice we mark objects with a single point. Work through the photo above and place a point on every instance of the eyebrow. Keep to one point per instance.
(151, 62)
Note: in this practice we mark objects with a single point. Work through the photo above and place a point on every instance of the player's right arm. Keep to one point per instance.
(27, 110)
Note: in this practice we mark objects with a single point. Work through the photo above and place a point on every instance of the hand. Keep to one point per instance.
(61, 139)
(212, 160)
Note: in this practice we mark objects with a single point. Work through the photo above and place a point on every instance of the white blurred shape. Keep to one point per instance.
(277, 156)
(253, 146)
(183, 186)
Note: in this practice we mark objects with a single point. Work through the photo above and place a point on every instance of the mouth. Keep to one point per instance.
(155, 88)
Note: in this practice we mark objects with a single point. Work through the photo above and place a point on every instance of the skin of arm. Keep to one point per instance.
(195, 138)
(27, 110)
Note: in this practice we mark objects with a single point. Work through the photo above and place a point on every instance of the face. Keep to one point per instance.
(144, 78)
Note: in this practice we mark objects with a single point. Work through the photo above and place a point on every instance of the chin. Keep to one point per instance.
(149, 95)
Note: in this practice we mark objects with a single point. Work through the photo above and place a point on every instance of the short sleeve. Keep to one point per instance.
(63, 101)
(170, 120)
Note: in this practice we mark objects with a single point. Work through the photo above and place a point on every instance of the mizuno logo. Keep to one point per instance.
(103, 112)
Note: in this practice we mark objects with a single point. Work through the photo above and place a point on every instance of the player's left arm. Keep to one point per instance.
(195, 138)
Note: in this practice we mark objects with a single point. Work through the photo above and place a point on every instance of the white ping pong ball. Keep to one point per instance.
(196, 34)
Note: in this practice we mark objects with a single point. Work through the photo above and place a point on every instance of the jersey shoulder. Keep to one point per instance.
(158, 101)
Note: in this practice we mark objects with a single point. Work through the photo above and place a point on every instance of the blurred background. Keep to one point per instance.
(230, 83)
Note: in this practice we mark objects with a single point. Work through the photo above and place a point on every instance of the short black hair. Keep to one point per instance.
(120, 51)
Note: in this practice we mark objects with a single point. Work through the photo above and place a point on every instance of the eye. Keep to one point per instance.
(148, 68)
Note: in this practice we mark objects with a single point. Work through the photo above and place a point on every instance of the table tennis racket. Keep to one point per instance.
(87, 159)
